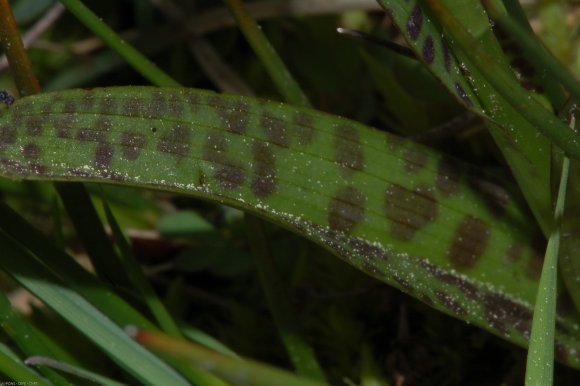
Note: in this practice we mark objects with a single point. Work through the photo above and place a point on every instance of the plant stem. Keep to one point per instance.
(276, 68)
(11, 42)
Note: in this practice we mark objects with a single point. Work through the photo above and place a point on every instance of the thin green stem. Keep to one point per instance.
(540, 362)
(276, 68)
(301, 354)
(139, 62)
(12, 45)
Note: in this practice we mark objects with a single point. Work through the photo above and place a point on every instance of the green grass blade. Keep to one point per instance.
(139, 282)
(234, 370)
(301, 354)
(131, 55)
(540, 367)
(91, 233)
(423, 223)
(143, 365)
(276, 68)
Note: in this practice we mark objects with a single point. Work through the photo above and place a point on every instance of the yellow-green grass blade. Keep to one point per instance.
(424, 223)
(12, 367)
(234, 370)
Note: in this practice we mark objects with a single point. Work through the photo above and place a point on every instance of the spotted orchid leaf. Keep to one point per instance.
(406, 215)
(527, 153)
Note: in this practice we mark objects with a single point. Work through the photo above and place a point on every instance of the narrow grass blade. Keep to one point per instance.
(276, 68)
(131, 55)
(540, 365)
(301, 354)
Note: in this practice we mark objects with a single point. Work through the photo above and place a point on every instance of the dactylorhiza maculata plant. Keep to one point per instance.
(430, 225)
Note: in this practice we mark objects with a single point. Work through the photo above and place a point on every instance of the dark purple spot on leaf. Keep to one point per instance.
(234, 114)
(463, 95)
(104, 155)
(470, 242)
(177, 141)
(405, 284)
(415, 159)
(31, 150)
(108, 106)
(7, 136)
(348, 152)
(428, 50)
(409, 210)
(346, 209)
(228, 173)
(276, 130)
(87, 102)
(34, 125)
(264, 178)
(448, 176)
(304, 126)
(455, 280)
(446, 56)
(415, 23)
(503, 313)
(132, 143)
(447, 301)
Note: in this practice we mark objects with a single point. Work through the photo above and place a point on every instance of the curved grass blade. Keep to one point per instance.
(428, 225)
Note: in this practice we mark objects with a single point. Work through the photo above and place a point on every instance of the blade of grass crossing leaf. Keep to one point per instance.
(143, 365)
(73, 370)
(540, 363)
(276, 68)
(131, 55)
(26, 338)
(301, 354)
(138, 280)
(91, 233)
(234, 370)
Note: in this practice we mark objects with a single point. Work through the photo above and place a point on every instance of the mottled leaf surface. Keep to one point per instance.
(424, 223)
